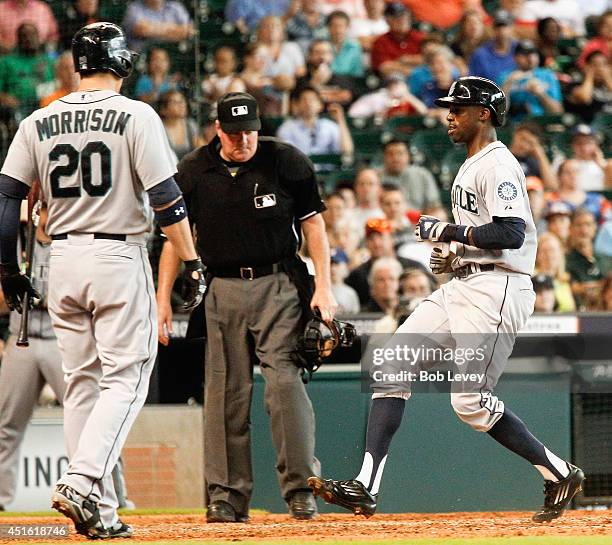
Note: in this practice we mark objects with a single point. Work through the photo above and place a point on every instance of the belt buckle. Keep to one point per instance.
(246, 273)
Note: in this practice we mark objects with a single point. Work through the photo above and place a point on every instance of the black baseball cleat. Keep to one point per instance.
(83, 511)
(558, 495)
(351, 495)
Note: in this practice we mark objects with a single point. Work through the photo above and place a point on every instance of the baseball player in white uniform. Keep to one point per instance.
(491, 250)
(103, 162)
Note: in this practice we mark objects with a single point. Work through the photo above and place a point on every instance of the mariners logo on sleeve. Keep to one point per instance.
(507, 191)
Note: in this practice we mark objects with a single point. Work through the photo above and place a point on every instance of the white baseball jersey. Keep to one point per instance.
(95, 153)
(492, 183)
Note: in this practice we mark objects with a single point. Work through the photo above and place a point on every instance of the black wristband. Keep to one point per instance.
(194, 264)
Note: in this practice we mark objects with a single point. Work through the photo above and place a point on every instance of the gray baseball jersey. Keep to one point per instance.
(492, 183)
(95, 153)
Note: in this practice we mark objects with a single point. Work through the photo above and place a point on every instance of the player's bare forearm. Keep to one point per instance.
(169, 265)
(179, 234)
(318, 249)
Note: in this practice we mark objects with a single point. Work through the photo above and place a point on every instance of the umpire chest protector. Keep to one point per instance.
(251, 217)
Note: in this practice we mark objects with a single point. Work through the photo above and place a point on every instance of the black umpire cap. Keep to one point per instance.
(238, 112)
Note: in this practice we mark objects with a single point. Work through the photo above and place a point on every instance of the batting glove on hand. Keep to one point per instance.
(194, 284)
(441, 259)
(15, 286)
(431, 228)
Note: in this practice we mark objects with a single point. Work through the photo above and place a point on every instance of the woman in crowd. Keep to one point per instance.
(182, 131)
(550, 260)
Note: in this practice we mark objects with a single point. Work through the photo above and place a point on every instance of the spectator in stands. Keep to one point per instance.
(348, 59)
(182, 131)
(545, 300)
(547, 43)
(527, 147)
(443, 14)
(416, 182)
(602, 42)
(379, 243)
(603, 247)
(594, 94)
(218, 82)
(575, 197)
(346, 297)
(80, 14)
(471, 35)
(311, 133)
(66, 79)
(567, 12)
(383, 281)
(531, 90)
(368, 190)
(336, 212)
(496, 57)
(285, 62)
(268, 91)
(391, 100)
(595, 171)
(416, 284)
(247, 14)
(558, 220)
(14, 13)
(435, 82)
(22, 71)
(582, 262)
(157, 80)
(306, 23)
(399, 50)
(319, 74)
(395, 207)
(367, 29)
(537, 202)
(550, 260)
(346, 239)
(150, 21)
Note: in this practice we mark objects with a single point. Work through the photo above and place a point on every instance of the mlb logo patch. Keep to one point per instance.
(265, 201)
(240, 110)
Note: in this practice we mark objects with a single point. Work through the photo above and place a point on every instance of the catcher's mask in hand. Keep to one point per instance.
(320, 339)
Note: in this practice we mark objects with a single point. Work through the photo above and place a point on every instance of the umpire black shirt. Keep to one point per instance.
(253, 217)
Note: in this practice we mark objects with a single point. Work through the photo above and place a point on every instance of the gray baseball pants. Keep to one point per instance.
(250, 320)
(102, 305)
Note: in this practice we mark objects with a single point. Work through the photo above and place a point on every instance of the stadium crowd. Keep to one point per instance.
(352, 83)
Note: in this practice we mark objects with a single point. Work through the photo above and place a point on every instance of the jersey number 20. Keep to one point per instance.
(69, 169)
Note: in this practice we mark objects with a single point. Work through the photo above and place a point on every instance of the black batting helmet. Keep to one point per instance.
(102, 47)
(476, 91)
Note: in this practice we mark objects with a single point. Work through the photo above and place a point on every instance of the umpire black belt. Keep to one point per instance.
(473, 268)
(246, 273)
(106, 236)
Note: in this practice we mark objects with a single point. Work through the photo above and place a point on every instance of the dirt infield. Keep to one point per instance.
(385, 526)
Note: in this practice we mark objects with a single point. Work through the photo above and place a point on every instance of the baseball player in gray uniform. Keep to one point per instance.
(103, 162)
(491, 251)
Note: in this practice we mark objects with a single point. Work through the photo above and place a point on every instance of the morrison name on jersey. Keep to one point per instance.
(82, 121)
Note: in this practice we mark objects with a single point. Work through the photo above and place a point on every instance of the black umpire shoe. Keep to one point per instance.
(221, 511)
(83, 511)
(302, 505)
(351, 495)
(557, 496)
